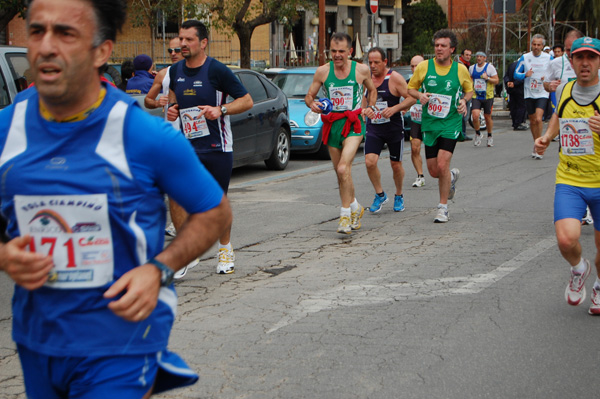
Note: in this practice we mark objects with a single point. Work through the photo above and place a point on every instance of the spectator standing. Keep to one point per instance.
(142, 79)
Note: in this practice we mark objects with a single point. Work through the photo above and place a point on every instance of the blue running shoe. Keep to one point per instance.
(378, 203)
(398, 203)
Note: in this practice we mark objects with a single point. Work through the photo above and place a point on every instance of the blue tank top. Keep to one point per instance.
(391, 128)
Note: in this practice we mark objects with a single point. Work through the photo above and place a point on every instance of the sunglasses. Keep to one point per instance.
(177, 50)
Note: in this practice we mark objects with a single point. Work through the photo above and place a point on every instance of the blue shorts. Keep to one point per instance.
(219, 164)
(570, 202)
(119, 376)
(374, 145)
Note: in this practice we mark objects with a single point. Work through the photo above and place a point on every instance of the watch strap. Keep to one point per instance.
(166, 275)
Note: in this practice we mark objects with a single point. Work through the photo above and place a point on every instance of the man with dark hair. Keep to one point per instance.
(84, 174)
(443, 82)
(558, 50)
(577, 120)
(531, 69)
(386, 128)
(199, 86)
(344, 127)
(142, 79)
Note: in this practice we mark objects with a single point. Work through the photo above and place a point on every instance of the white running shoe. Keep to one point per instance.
(442, 215)
(455, 175)
(419, 182)
(356, 216)
(170, 230)
(182, 272)
(595, 306)
(490, 142)
(535, 155)
(477, 140)
(344, 225)
(226, 259)
(575, 291)
(587, 219)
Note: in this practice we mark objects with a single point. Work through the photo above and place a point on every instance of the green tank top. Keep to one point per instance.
(441, 113)
(345, 94)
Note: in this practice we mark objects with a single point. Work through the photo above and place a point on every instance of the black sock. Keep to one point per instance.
(381, 194)
(477, 132)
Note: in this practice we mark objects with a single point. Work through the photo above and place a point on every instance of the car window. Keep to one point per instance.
(295, 85)
(4, 98)
(271, 88)
(19, 68)
(254, 86)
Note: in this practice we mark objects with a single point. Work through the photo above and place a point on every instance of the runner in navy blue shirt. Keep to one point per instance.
(198, 89)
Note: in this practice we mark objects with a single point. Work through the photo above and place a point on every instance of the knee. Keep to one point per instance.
(370, 163)
(566, 242)
(343, 170)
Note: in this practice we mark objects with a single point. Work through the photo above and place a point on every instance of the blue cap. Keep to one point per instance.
(142, 62)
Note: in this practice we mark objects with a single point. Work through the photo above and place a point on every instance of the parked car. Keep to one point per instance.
(263, 132)
(306, 125)
(14, 76)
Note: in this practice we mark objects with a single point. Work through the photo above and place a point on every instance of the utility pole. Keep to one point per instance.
(321, 32)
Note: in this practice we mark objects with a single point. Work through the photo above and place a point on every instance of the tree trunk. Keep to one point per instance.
(245, 36)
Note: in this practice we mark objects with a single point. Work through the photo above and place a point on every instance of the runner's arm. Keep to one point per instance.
(150, 100)
(313, 90)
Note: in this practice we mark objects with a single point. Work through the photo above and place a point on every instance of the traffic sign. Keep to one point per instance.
(372, 6)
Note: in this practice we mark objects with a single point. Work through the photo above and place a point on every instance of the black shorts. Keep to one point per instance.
(415, 131)
(486, 105)
(534, 103)
(374, 145)
(442, 144)
(219, 164)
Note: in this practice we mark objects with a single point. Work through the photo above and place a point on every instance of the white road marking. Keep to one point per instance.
(377, 291)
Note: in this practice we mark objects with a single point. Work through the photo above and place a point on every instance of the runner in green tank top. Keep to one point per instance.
(344, 81)
(444, 82)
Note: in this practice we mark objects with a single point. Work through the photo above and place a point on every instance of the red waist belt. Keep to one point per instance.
(353, 120)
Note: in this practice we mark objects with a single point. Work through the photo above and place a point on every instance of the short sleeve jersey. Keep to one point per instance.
(534, 84)
(91, 194)
(379, 126)
(208, 84)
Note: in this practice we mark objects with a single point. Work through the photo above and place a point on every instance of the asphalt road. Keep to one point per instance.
(403, 308)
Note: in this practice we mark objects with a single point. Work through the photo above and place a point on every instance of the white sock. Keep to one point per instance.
(579, 268)
(597, 283)
(445, 206)
(345, 211)
(226, 246)
(354, 205)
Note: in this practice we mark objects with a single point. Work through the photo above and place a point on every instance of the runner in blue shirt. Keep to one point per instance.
(84, 173)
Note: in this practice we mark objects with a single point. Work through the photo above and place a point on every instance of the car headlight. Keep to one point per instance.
(311, 118)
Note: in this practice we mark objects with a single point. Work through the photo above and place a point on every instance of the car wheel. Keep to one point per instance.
(281, 153)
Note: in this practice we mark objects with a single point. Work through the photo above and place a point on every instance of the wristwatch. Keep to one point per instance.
(223, 110)
(166, 273)
(374, 108)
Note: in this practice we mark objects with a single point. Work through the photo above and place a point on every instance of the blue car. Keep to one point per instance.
(306, 125)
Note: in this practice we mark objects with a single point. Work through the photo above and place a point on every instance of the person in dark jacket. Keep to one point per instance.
(142, 80)
(516, 100)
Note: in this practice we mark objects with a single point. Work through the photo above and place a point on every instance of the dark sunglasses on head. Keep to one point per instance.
(177, 50)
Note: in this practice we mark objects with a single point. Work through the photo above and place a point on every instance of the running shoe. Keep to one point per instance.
(455, 174)
(378, 202)
(535, 155)
(398, 203)
(344, 225)
(442, 215)
(355, 217)
(587, 219)
(226, 259)
(170, 230)
(182, 272)
(477, 140)
(420, 182)
(490, 142)
(595, 306)
(575, 291)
